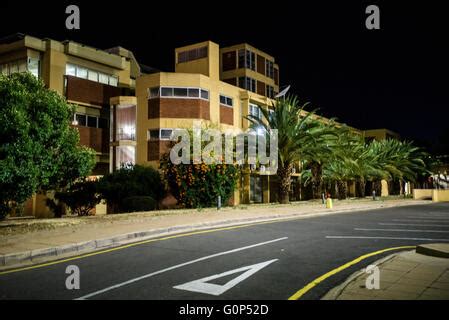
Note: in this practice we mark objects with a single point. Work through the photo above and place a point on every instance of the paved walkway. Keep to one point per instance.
(403, 276)
(35, 237)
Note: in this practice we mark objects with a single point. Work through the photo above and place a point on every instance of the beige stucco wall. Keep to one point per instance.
(421, 194)
(440, 195)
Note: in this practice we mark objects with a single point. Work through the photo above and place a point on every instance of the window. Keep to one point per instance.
(247, 59)
(247, 83)
(113, 81)
(80, 119)
(153, 92)
(160, 134)
(165, 134)
(166, 92)
(270, 92)
(193, 54)
(70, 70)
(254, 110)
(92, 121)
(194, 92)
(81, 73)
(180, 92)
(33, 66)
(204, 94)
(93, 75)
(103, 78)
(269, 69)
(153, 134)
(226, 101)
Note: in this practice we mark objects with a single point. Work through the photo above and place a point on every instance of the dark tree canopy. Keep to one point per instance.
(39, 150)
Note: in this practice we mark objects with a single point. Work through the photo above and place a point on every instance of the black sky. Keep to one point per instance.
(396, 77)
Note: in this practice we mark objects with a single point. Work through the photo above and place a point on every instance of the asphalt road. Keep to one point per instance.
(262, 261)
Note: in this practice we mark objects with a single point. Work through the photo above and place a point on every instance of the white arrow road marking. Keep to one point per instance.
(177, 266)
(202, 286)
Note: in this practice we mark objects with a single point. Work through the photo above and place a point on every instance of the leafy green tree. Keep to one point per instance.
(130, 181)
(39, 150)
(81, 197)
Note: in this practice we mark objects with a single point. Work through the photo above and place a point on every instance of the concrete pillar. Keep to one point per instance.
(246, 187)
(384, 192)
(266, 188)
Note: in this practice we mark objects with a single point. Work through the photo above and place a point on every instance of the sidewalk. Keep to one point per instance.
(403, 276)
(25, 241)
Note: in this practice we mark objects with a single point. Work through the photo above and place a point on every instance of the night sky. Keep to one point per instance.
(395, 78)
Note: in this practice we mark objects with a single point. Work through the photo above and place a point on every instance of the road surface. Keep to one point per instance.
(261, 261)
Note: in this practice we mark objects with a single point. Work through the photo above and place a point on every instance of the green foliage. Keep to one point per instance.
(38, 148)
(199, 185)
(300, 136)
(81, 197)
(127, 182)
(139, 203)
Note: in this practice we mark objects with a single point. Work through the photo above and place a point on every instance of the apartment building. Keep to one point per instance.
(126, 111)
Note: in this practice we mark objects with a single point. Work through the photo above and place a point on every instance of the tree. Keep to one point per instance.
(299, 135)
(81, 197)
(130, 181)
(39, 150)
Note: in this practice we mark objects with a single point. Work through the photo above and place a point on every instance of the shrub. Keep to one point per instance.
(130, 181)
(138, 203)
(81, 197)
(199, 185)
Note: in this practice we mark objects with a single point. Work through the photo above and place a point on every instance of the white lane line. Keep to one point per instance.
(413, 224)
(402, 230)
(419, 220)
(430, 218)
(385, 238)
(176, 267)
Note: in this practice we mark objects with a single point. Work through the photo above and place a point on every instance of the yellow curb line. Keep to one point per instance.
(318, 280)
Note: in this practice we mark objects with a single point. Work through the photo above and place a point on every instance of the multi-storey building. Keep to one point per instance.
(126, 111)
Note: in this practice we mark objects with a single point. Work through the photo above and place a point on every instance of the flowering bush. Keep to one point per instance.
(199, 185)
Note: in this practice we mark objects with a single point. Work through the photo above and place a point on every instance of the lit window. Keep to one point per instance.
(33, 66)
(81, 73)
(70, 70)
(93, 75)
(113, 81)
(103, 78)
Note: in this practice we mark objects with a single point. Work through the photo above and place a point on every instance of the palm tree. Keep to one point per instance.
(298, 134)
